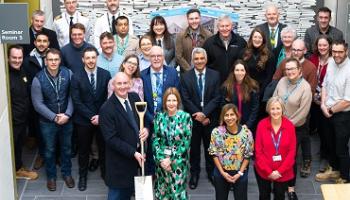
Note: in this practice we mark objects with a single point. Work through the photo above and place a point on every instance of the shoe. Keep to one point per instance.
(323, 165)
(24, 173)
(69, 181)
(194, 181)
(39, 162)
(94, 163)
(82, 183)
(51, 184)
(292, 196)
(328, 175)
(340, 181)
(305, 170)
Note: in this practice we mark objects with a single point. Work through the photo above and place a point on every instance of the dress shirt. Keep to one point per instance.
(112, 65)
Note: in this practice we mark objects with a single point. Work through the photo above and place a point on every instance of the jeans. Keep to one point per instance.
(265, 188)
(222, 187)
(120, 193)
(50, 133)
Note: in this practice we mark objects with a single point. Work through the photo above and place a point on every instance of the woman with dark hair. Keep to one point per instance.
(130, 66)
(231, 146)
(241, 90)
(145, 45)
(320, 57)
(261, 63)
(171, 145)
(161, 37)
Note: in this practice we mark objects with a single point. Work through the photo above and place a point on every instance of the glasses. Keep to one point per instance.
(131, 63)
(156, 56)
(53, 59)
(146, 44)
(298, 50)
(291, 69)
(337, 52)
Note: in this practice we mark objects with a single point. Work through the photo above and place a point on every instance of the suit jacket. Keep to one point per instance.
(265, 28)
(27, 48)
(170, 79)
(86, 103)
(121, 140)
(190, 93)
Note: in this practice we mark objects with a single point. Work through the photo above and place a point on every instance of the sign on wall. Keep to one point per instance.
(13, 25)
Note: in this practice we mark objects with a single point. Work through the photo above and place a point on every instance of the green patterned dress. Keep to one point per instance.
(172, 135)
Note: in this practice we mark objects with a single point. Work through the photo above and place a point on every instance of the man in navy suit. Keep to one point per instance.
(201, 98)
(119, 127)
(89, 92)
(272, 29)
(156, 79)
(38, 21)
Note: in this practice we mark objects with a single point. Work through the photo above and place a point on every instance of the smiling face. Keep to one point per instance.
(272, 16)
(171, 104)
(257, 39)
(230, 118)
(157, 58)
(38, 22)
(145, 46)
(298, 49)
(130, 66)
(323, 47)
(107, 46)
(71, 6)
(194, 20)
(41, 43)
(339, 53)
(53, 61)
(89, 60)
(158, 29)
(199, 61)
(287, 39)
(276, 111)
(239, 73)
(292, 71)
(112, 5)
(323, 19)
(77, 36)
(16, 58)
(225, 27)
(121, 85)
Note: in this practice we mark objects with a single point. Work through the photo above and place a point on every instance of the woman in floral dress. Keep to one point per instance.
(171, 144)
(231, 146)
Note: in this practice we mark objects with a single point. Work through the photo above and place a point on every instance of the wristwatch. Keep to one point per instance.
(240, 173)
(330, 111)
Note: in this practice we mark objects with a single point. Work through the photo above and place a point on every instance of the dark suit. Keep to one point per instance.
(121, 140)
(170, 79)
(192, 104)
(27, 48)
(86, 105)
(265, 28)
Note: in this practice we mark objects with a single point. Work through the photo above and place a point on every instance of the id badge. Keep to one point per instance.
(277, 158)
(202, 104)
(167, 152)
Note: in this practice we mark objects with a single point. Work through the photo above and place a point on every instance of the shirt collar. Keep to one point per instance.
(197, 72)
(160, 71)
(122, 100)
(89, 72)
(273, 27)
(344, 63)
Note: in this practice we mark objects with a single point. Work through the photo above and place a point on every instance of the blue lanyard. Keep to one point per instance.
(276, 144)
(286, 96)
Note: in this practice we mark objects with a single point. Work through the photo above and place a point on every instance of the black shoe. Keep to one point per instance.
(82, 183)
(292, 196)
(93, 165)
(69, 181)
(194, 181)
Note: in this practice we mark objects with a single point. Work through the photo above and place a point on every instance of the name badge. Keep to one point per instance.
(277, 158)
(167, 152)
(202, 104)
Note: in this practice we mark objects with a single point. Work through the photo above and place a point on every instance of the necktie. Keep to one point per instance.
(200, 86)
(194, 39)
(159, 86)
(70, 26)
(159, 43)
(130, 115)
(113, 27)
(272, 37)
(92, 82)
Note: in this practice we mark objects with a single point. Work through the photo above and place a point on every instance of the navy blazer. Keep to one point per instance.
(86, 103)
(27, 48)
(170, 79)
(121, 140)
(190, 93)
(265, 28)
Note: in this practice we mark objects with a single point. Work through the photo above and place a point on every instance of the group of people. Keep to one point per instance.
(258, 99)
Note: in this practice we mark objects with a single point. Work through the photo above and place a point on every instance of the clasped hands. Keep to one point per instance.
(229, 178)
(61, 118)
(274, 175)
(166, 164)
(200, 117)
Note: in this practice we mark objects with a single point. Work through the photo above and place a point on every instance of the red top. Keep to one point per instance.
(265, 149)
(321, 69)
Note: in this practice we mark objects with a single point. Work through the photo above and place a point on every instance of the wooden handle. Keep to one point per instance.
(141, 108)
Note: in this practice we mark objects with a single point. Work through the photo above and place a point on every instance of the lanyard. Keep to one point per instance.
(287, 95)
(276, 144)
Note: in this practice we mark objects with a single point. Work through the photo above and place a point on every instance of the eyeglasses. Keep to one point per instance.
(298, 50)
(146, 44)
(156, 56)
(291, 69)
(131, 63)
(53, 59)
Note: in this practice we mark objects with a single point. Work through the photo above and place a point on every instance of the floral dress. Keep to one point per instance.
(172, 138)
(231, 149)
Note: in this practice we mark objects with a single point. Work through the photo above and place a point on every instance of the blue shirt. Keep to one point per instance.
(144, 63)
(111, 65)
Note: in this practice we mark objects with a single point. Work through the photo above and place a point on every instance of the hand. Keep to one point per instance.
(198, 116)
(325, 111)
(206, 121)
(236, 177)
(143, 134)
(227, 177)
(275, 175)
(62, 118)
(94, 120)
(139, 158)
(166, 164)
(56, 119)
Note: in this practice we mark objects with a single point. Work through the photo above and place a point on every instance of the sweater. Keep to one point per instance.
(71, 56)
(265, 149)
(297, 99)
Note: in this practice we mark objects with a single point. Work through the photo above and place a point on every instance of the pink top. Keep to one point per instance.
(137, 87)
